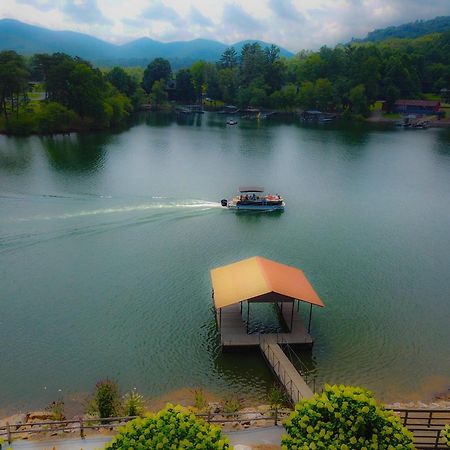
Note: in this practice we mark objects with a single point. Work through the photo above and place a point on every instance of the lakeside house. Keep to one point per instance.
(426, 107)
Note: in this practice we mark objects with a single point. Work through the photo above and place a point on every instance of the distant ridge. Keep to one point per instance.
(29, 39)
(409, 30)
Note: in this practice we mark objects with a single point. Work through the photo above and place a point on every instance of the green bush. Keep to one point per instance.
(231, 404)
(276, 397)
(55, 118)
(133, 404)
(200, 402)
(57, 409)
(171, 428)
(344, 418)
(445, 433)
(106, 401)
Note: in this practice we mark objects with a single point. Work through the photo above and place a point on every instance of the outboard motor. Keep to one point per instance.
(224, 202)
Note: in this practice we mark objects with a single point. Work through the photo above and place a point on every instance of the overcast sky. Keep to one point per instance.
(293, 24)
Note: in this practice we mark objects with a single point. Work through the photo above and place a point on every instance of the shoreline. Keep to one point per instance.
(374, 119)
(214, 402)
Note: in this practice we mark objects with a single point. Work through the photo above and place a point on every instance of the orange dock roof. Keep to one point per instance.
(256, 277)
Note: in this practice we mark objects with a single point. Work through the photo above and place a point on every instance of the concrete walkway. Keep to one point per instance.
(249, 438)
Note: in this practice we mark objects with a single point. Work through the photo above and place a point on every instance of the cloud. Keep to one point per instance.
(42, 5)
(195, 17)
(162, 13)
(285, 10)
(236, 21)
(84, 11)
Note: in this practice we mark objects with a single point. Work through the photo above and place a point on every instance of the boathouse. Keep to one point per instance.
(259, 280)
(426, 107)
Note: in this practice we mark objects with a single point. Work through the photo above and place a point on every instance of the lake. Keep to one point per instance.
(107, 240)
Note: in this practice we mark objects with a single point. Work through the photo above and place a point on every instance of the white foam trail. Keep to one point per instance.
(201, 205)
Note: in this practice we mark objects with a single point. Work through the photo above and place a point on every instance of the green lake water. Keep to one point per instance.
(107, 240)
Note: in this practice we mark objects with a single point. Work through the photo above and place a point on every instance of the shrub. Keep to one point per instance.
(133, 404)
(445, 433)
(55, 118)
(276, 397)
(172, 427)
(106, 401)
(343, 418)
(200, 401)
(231, 405)
(57, 409)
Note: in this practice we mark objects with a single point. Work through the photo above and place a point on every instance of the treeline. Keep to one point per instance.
(76, 95)
(347, 78)
(410, 30)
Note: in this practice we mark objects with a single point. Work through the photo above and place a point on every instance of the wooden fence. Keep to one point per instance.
(425, 424)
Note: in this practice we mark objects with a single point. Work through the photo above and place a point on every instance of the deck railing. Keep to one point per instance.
(81, 426)
(425, 424)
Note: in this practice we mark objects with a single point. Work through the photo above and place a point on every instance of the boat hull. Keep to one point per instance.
(267, 208)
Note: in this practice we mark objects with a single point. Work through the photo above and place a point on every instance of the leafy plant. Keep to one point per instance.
(445, 434)
(231, 405)
(200, 401)
(57, 409)
(106, 400)
(344, 418)
(133, 404)
(172, 427)
(276, 397)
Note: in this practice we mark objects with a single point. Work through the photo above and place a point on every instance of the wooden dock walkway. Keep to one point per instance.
(287, 374)
(233, 331)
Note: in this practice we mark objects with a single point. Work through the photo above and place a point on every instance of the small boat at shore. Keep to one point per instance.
(253, 199)
(231, 122)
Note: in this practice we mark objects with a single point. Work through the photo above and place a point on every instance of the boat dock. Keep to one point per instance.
(259, 280)
(233, 330)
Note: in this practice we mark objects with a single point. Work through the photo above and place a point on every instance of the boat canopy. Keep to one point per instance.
(261, 280)
(251, 189)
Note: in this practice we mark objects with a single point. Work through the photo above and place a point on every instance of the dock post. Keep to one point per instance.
(292, 314)
(309, 323)
(8, 432)
(248, 313)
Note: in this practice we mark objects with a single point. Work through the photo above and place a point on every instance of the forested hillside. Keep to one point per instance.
(346, 79)
(409, 30)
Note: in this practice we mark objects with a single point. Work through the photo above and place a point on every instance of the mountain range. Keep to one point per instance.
(29, 39)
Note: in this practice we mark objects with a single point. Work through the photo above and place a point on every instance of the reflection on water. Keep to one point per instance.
(76, 152)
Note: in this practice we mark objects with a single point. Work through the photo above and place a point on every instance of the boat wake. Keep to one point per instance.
(193, 204)
(20, 232)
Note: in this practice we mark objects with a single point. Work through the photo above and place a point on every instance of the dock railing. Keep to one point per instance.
(425, 424)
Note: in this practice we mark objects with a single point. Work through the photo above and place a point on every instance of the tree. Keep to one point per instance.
(185, 89)
(344, 418)
(252, 62)
(172, 427)
(54, 117)
(158, 95)
(159, 69)
(358, 100)
(306, 96)
(198, 72)
(106, 400)
(323, 93)
(229, 84)
(229, 59)
(122, 81)
(13, 82)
